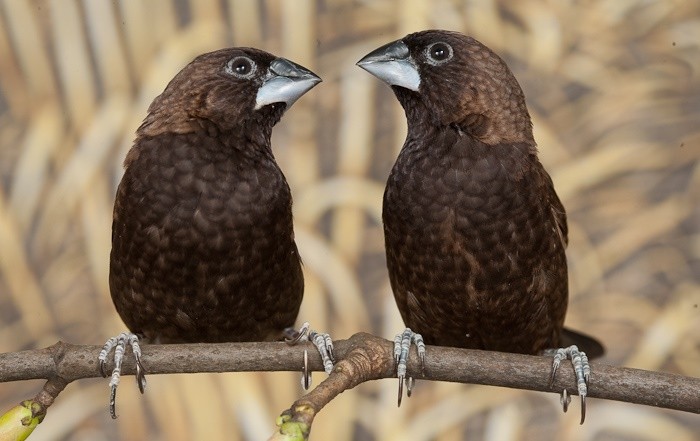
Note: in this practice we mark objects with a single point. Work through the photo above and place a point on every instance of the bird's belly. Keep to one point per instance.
(213, 270)
(476, 276)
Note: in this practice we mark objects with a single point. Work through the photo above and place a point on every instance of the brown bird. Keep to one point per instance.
(475, 233)
(202, 243)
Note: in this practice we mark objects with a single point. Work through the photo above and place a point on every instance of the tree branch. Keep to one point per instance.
(369, 358)
(363, 357)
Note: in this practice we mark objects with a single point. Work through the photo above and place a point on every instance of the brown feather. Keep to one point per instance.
(203, 248)
(475, 233)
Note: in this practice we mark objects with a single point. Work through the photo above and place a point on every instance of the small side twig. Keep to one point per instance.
(50, 391)
(366, 358)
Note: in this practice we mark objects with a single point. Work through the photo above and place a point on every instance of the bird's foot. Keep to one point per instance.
(402, 345)
(582, 369)
(323, 343)
(119, 344)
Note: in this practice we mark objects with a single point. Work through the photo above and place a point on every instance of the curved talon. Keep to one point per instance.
(400, 391)
(103, 364)
(113, 402)
(306, 373)
(140, 375)
(409, 386)
(583, 408)
(565, 399)
(298, 336)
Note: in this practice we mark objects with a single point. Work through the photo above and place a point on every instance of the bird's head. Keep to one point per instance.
(451, 79)
(228, 89)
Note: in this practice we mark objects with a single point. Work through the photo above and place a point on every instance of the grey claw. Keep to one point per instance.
(409, 386)
(582, 371)
(565, 399)
(293, 337)
(306, 373)
(331, 354)
(296, 336)
(551, 377)
(402, 346)
(140, 375)
(322, 342)
(113, 402)
(119, 344)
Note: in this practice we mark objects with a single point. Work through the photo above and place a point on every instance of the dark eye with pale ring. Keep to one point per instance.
(241, 67)
(439, 53)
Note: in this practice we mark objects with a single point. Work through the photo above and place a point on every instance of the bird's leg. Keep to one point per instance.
(323, 343)
(119, 344)
(582, 370)
(402, 345)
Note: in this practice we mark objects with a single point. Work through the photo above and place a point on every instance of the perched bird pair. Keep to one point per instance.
(203, 248)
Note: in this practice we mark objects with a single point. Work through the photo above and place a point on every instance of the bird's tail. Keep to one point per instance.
(591, 346)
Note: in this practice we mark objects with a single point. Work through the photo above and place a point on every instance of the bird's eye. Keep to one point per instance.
(439, 53)
(241, 67)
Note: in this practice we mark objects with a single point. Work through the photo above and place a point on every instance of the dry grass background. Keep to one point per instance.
(614, 90)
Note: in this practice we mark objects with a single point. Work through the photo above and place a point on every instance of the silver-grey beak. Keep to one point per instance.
(285, 83)
(393, 64)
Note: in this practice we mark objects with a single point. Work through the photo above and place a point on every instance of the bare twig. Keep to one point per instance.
(368, 358)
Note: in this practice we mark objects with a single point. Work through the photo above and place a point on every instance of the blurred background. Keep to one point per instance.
(613, 88)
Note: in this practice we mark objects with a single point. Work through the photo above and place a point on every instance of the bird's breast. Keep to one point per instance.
(428, 188)
(204, 237)
(467, 238)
